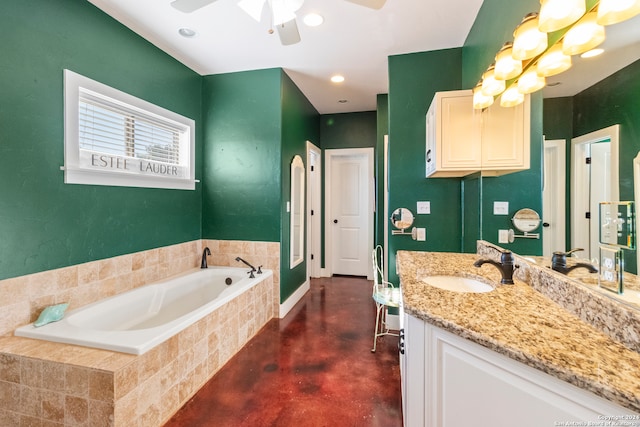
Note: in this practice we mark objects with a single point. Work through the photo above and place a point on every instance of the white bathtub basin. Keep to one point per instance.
(458, 284)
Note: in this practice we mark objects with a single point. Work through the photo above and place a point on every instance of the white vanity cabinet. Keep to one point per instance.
(461, 140)
(448, 381)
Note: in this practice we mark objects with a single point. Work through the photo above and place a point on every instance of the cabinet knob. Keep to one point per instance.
(335, 221)
(429, 156)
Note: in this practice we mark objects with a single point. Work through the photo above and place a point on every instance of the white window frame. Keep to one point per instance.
(81, 168)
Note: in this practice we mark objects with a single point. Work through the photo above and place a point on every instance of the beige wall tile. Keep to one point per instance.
(53, 375)
(101, 385)
(100, 414)
(31, 401)
(10, 368)
(31, 372)
(53, 406)
(10, 396)
(76, 381)
(126, 380)
(76, 410)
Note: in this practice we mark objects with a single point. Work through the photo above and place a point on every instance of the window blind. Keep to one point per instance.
(111, 128)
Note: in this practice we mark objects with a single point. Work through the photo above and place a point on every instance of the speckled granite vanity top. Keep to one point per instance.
(521, 323)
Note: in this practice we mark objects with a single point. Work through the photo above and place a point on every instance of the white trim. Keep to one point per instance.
(329, 154)
(76, 173)
(578, 172)
(385, 209)
(286, 306)
(296, 165)
(314, 223)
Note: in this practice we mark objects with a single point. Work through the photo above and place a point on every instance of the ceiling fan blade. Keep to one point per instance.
(252, 7)
(288, 32)
(373, 4)
(188, 6)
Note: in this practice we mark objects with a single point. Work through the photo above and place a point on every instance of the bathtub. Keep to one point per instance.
(138, 320)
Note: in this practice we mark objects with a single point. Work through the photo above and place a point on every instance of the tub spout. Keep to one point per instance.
(253, 269)
(205, 252)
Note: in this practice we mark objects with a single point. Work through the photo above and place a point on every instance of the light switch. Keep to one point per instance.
(423, 207)
(421, 235)
(503, 236)
(501, 208)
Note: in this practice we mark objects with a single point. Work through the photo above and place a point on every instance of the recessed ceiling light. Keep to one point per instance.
(591, 53)
(337, 78)
(313, 19)
(342, 101)
(186, 32)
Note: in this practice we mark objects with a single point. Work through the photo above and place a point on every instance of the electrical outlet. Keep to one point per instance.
(503, 236)
(421, 234)
(423, 207)
(501, 208)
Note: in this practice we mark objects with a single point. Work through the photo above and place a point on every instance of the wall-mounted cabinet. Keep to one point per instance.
(461, 140)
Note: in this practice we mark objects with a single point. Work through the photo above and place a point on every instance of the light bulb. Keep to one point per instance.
(553, 62)
(528, 41)
(490, 85)
(511, 97)
(614, 11)
(583, 36)
(506, 67)
(530, 81)
(558, 14)
(480, 100)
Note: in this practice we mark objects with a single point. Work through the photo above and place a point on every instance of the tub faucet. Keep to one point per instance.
(559, 262)
(251, 275)
(506, 266)
(205, 252)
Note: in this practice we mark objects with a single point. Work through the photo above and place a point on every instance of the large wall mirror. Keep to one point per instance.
(296, 247)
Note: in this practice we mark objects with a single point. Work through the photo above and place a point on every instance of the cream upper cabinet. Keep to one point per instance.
(461, 140)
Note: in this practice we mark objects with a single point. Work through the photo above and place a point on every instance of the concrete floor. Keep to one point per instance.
(312, 368)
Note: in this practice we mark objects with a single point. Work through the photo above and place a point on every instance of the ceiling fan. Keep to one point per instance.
(282, 13)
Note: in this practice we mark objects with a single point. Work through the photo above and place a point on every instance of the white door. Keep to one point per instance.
(313, 210)
(350, 210)
(553, 197)
(592, 181)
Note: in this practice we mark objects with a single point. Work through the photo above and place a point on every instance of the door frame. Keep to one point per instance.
(328, 234)
(559, 148)
(314, 200)
(579, 174)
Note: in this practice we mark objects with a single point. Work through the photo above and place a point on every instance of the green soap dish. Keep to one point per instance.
(53, 313)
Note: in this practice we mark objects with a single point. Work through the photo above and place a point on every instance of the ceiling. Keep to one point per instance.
(353, 41)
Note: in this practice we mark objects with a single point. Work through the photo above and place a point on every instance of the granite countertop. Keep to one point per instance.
(521, 323)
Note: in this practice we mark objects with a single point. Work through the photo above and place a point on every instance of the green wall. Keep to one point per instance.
(242, 181)
(300, 123)
(413, 80)
(348, 130)
(45, 224)
(521, 189)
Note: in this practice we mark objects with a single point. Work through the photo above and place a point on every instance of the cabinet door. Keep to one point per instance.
(505, 138)
(459, 139)
(431, 147)
(413, 374)
(471, 385)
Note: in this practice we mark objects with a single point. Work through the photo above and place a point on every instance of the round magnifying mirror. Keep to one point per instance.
(526, 220)
(402, 218)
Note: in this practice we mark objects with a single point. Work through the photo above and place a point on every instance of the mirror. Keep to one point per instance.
(526, 220)
(297, 212)
(617, 220)
(402, 218)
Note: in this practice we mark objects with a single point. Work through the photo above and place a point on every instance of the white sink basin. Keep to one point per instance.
(458, 284)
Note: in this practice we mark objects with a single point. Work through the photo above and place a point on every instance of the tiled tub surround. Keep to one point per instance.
(521, 323)
(50, 384)
(577, 292)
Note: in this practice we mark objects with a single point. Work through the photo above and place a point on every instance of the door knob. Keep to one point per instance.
(545, 224)
(335, 221)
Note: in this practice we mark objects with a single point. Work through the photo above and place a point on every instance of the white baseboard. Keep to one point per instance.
(324, 273)
(286, 306)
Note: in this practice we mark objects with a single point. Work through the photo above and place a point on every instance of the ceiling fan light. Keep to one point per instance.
(490, 85)
(583, 36)
(506, 67)
(530, 82)
(558, 14)
(528, 40)
(614, 11)
(553, 62)
(511, 97)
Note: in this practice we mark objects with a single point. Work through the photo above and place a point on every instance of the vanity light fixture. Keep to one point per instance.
(506, 67)
(313, 19)
(614, 11)
(528, 40)
(593, 52)
(480, 100)
(530, 81)
(337, 78)
(558, 14)
(511, 97)
(490, 85)
(584, 36)
(553, 62)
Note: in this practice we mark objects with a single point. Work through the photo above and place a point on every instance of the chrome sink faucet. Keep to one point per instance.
(506, 266)
(559, 262)
(205, 252)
